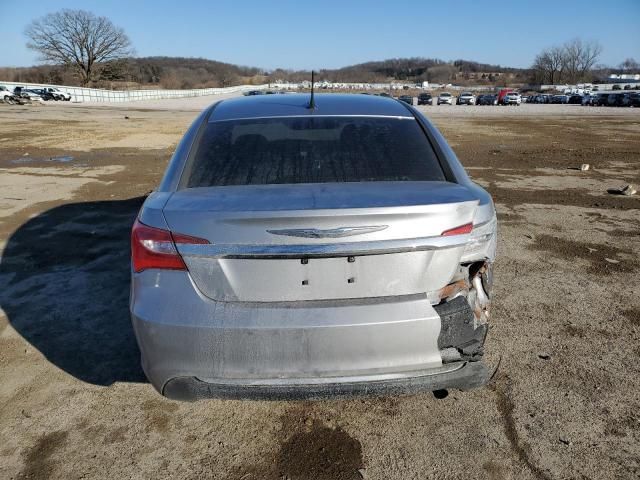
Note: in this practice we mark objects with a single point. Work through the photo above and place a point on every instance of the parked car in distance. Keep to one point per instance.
(260, 270)
(487, 100)
(406, 99)
(616, 87)
(575, 99)
(27, 94)
(58, 94)
(466, 98)
(46, 96)
(601, 100)
(251, 93)
(615, 99)
(6, 95)
(512, 98)
(502, 93)
(631, 99)
(445, 98)
(425, 99)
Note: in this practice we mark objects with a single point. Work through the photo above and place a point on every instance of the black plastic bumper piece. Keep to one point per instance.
(470, 375)
(459, 330)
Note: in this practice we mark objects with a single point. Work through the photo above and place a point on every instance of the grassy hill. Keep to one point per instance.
(181, 72)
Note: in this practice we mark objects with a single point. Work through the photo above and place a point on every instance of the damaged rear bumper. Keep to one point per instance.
(195, 348)
(461, 375)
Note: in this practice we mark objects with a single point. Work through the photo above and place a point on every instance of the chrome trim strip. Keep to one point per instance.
(320, 250)
(482, 224)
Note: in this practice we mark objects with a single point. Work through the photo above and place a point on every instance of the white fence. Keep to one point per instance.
(81, 94)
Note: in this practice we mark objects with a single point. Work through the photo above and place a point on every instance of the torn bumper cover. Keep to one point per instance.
(461, 375)
(464, 314)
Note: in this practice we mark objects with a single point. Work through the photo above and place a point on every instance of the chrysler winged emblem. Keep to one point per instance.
(328, 233)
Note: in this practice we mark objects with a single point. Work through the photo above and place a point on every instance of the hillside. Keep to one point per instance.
(180, 72)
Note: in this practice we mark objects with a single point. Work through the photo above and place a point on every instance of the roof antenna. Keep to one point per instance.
(312, 103)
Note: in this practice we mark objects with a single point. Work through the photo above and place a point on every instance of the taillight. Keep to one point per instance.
(461, 230)
(155, 248)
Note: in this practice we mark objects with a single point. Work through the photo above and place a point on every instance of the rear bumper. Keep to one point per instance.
(464, 376)
(193, 347)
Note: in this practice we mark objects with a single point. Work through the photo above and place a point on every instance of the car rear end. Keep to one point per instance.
(304, 257)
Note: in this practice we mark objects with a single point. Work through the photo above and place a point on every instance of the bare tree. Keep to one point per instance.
(570, 62)
(580, 57)
(540, 67)
(630, 65)
(556, 64)
(548, 66)
(79, 40)
(589, 56)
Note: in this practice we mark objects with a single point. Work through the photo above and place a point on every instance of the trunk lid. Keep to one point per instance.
(276, 243)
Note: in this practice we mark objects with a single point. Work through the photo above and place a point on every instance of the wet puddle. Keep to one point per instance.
(29, 159)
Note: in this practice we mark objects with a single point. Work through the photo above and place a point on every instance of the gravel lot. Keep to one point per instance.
(566, 316)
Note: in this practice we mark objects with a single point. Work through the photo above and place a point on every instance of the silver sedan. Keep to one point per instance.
(299, 249)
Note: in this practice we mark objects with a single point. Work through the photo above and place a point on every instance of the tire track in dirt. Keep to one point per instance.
(506, 406)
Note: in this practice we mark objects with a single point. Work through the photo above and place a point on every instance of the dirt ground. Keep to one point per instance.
(566, 316)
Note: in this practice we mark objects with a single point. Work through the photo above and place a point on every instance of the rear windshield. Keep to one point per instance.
(312, 150)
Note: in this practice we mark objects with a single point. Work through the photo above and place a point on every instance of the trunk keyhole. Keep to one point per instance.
(351, 280)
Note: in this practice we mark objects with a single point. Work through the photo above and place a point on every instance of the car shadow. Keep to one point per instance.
(64, 285)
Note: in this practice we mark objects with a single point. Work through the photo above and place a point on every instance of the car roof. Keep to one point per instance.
(327, 104)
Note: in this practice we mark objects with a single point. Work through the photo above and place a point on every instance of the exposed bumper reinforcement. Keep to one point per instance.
(470, 375)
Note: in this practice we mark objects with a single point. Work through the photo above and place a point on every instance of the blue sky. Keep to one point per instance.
(329, 34)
